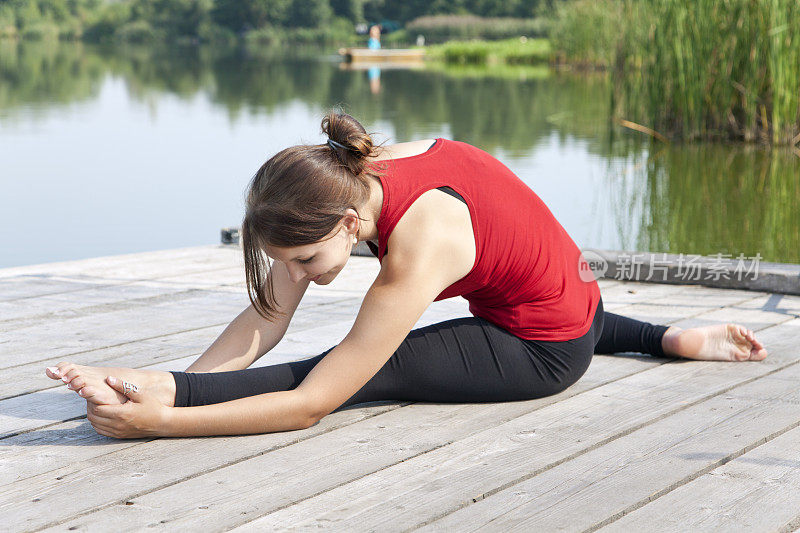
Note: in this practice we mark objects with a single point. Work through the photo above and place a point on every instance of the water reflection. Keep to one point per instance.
(711, 199)
(610, 188)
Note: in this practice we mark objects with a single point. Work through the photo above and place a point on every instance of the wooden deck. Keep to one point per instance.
(638, 444)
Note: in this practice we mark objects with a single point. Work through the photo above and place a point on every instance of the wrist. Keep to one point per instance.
(167, 423)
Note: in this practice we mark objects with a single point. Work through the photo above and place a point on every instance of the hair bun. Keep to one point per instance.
(348, 133)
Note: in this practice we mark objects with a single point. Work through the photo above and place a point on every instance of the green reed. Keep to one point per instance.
(694, 69)
(712, 69)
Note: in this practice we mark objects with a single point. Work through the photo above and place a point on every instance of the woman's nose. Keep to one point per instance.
(296, 274)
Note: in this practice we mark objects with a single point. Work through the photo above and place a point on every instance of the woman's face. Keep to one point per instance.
(319, 262)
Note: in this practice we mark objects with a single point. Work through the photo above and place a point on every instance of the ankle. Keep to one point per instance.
(669, 342)
(162, 384)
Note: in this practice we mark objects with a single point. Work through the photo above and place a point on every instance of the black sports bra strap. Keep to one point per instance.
(452, 193)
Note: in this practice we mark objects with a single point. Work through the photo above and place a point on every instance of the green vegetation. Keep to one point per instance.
(728, 70)
(313, 21)
(442, 28)
(699, 69)
(585, 33)
(518, 51)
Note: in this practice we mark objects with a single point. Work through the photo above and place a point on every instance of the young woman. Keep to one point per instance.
(444, 219)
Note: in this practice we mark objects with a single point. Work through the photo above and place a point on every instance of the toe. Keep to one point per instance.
(69, 376)
(53, 372)
(758, 354)
(92, 394)
(76, 384)
(64, 370)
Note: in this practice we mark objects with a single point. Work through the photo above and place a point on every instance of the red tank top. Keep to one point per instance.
(526, 273)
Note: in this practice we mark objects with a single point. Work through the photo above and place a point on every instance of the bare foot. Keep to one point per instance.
(721, 342)
(90, 382)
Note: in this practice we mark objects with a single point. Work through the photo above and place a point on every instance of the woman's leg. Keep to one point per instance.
(719, 342)
(461, 360)
(623, 334)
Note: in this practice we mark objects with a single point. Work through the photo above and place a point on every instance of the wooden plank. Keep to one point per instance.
(110, 324)
(449, 477)
(774, 303)
(25, 504)
(25, 288)
(632, 293)
(754, 319)
(98, 300)
(427, 457)
(624, 474)
(135, 266)
(341, 452)
(355, 278)
(759, 491)
(49, 342)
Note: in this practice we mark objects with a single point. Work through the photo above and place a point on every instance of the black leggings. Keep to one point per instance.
(460, 360)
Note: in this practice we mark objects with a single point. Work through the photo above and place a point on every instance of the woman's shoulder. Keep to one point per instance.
(436, 224)
(406, 149)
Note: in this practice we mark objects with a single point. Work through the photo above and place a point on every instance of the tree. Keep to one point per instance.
(243, 15)
(352, 10)
(310, 13)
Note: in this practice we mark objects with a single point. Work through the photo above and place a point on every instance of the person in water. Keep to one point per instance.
(444, 219)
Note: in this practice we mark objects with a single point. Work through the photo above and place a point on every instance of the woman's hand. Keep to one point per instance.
(141, 416)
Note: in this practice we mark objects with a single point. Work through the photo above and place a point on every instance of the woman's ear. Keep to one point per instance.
(350, 221)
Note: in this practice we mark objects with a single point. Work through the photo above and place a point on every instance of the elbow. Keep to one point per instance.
(310, 407)
(310, 414)
(309, 422)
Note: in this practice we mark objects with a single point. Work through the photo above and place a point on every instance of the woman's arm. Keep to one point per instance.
(424, 261)
(391, 307)
(249, 335)
(419, 268)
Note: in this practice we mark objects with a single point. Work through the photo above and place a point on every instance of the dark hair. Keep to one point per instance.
(299, 196)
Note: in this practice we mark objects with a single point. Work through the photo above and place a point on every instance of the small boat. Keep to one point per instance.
(383, 55)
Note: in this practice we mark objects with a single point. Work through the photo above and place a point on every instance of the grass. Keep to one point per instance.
(442, 28)
(516, 51)
(502, 71)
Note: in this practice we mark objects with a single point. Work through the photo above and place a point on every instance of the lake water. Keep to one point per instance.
(116, 151)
